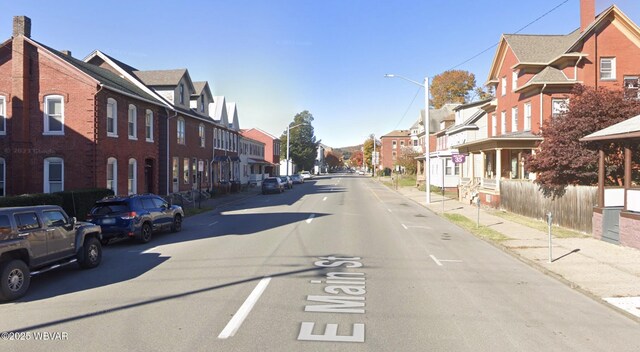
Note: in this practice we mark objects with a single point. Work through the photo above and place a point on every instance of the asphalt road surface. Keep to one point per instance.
(338, 263)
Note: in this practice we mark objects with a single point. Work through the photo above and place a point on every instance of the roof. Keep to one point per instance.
(540, 48)
(397, 133)
(472, 104)
(549, 75)
(161, 77)
(102, 75)
(629, 128)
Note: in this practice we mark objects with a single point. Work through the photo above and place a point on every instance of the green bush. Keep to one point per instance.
(79, 202)
(31, 199)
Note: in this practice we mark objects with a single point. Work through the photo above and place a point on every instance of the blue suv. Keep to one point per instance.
(135, 216)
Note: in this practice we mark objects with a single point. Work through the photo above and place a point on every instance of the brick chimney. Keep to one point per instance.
(20, 105)
(587, 13)
(21, 26)
(66, 52)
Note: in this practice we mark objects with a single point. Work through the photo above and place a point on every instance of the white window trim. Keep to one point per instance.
(3, 116)
(202, 135)
(47, 161)
(133, 136)
(514, 81)
(47, 132)
(613, 69)
(114, 111)
(527, 117)
(113, 161)
(514, 119)
(146, 116)
(503, 122)
(132, 183)
(503, 86)
(181, 137)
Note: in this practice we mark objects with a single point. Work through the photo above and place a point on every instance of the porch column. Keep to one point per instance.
(471, 164)
(498, 168)
(601, 178)
(520, 166)
(627, 174)
(483, 160)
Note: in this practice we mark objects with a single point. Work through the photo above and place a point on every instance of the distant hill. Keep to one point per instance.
(347, 151)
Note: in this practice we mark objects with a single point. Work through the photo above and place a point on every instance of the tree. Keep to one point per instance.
(333, 160)
(356, 159)
(407, 160)
(303, 145)
(452, 86)
(562, 159)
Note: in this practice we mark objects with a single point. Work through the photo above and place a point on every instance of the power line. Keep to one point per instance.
(516, 32)
(408, 107)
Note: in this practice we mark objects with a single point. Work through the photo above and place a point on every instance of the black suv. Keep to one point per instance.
(40, 238)
(135, 216)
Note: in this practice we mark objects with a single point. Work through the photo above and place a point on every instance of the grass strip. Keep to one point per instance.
(482, 231)
(556, 231)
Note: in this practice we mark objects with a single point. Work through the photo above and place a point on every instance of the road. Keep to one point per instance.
(339, 263)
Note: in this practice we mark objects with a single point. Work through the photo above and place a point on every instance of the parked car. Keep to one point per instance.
(305, 175)
(297, 179)
(272, 185)
(288, 183)
(135, 216)
(37, 239)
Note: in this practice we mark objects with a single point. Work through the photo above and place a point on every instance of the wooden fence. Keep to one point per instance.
(574, 210)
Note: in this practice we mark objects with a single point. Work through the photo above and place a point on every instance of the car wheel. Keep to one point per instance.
(91, 253)
(177, 223)
(145, 233)
(15, 279)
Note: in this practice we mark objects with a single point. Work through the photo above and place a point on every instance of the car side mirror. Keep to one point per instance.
(72, 221)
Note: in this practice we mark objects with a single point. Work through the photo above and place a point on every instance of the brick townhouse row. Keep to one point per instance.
(67, 124)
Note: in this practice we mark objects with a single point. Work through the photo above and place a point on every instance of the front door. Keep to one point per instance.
(148, 176)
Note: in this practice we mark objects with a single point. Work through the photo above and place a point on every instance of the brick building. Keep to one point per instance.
(393, 144)
(271, 149)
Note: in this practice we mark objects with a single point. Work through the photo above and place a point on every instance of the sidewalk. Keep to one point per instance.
(604, 271)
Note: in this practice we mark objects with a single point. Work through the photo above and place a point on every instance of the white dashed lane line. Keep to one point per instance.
(235, 322)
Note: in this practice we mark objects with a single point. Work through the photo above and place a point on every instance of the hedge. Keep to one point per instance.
(76, 203)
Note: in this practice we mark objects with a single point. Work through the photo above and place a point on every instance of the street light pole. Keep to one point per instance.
(427, 142)
(288, 128)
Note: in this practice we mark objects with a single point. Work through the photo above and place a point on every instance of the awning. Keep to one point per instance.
(235, 158)
(220, 158)
(259, 161)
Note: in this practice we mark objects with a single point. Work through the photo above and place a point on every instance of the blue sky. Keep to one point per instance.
(277, 58)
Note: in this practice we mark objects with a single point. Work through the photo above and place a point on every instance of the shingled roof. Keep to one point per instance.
(161, 77)
(540, 48)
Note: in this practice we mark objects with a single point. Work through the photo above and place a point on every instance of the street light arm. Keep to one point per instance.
(405, 78)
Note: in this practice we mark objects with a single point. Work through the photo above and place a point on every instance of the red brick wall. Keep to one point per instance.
(629, 232)
(596, 225)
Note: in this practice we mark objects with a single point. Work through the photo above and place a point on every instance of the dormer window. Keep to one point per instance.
(202, 103)
(181, 93)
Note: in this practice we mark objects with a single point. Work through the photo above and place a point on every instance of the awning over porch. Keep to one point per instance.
(220, 158)
(518, 140)
(235, 158)
(258, 161)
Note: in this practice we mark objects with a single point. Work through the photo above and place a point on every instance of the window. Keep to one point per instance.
(181, 137)
(527, 116)
(631, 88)
(181, 93)
(2, 177)
(148, 203)
(148, 126)
(401, 144)
(202, 103)
(394, 144)
(112, 118)
(53, 218)
(53, 115)
(503, 122)
(53, 175)
(215, 138)
(27, 221)
(201, 134)
(559, 107)
(494, 125)
(514, 80)
(607, 68)
(132, 125)
(503, 86)
(514, 119)
(5, 225)
(449, 166)
(3, 116)
(185, 170)
(415, 142)
(133, 177)
(112, 175)
(175, 169)
(393, 155)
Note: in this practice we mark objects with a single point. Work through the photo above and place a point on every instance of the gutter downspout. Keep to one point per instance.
(169, 178)
(575, 68)
(95, 136)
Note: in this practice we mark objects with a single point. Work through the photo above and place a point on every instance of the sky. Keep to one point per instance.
(277, 58)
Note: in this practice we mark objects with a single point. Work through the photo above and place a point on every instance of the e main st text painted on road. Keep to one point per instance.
(347, 291)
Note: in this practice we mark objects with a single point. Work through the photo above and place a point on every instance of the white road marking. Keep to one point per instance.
(213, 223)
(405, 226)
(323, 199)
(389, 210)
(244, 310)
(630, 304)
(310, 219)
(435, 260)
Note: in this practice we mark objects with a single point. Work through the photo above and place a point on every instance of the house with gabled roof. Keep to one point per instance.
(533, 75)
(271, 160)
(60, 114)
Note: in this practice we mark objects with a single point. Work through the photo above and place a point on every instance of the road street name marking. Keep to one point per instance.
(323, 199)
(440, 261)
(389, 210)
(245, 308)
(310, 219)
(405, 226)
(344, 294)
